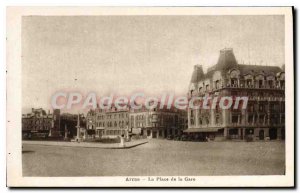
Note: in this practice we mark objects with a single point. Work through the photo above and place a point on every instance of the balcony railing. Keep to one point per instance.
(253, 86)
(266, 98)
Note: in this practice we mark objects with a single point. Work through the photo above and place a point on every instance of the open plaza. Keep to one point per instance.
(158, 157)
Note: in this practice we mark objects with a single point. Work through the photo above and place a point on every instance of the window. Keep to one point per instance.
(200, 121)
(234, 82)
(261, 118)
(192, 113)
(192, 121)
(207, 87)
(191, 92)
(282, 84)
(261, 108)
(270, 82)
(200, 89)
(217, 119)
(260, 83)
(207, 120)
(250, 108)
(249, 82)
(234, 118)
(272, 107)
(217, 84)
(250, 118)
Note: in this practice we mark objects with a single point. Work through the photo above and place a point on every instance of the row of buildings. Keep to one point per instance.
(150, 123)
(264, 117)
(43, 124)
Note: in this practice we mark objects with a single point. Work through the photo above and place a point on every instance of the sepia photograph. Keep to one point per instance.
(150, 97)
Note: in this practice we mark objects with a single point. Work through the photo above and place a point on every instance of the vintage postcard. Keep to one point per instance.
(150, 97)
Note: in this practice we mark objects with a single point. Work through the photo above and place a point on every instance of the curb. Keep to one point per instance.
(82, 146)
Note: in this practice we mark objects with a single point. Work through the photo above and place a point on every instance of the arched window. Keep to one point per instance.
(200, 89)
(192, 121)
(217, 84)
(192, 92)
(207, 120)
(207, 87)
(271, 83)
(249, 83)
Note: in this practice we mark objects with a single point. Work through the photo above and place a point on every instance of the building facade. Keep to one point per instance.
(157, 122)
(110, 122)
(150, 123)
(264, 117)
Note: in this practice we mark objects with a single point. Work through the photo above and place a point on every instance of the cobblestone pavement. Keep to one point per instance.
(158, 157)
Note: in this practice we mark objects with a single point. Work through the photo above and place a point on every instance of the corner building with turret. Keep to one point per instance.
(264, 116)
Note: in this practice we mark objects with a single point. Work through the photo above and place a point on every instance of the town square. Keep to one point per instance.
(154, 100)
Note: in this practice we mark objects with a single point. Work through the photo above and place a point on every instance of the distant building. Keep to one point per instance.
(157, 122)
(152, 123)
(40, 122)
(264, 117)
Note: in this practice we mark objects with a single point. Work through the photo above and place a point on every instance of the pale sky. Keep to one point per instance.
(124, 54)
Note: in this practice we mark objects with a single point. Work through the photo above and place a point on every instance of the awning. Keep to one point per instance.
(199, 130)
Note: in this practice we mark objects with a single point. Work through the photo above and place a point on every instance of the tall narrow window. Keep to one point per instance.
(217, 84)
(260, 83)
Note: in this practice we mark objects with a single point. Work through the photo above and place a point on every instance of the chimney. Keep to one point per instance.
(198, 73)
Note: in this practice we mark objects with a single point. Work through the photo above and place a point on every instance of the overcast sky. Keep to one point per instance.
(124, 54)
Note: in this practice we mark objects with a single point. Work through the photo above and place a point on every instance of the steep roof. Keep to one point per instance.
(253, 69)
(226, 60)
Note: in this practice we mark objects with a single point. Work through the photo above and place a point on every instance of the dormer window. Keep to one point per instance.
(249, 82)
(200, 89)
(234, 82)
(192, 92)
(270, 82)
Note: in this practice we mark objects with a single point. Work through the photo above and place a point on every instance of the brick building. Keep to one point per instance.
(264, 117)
